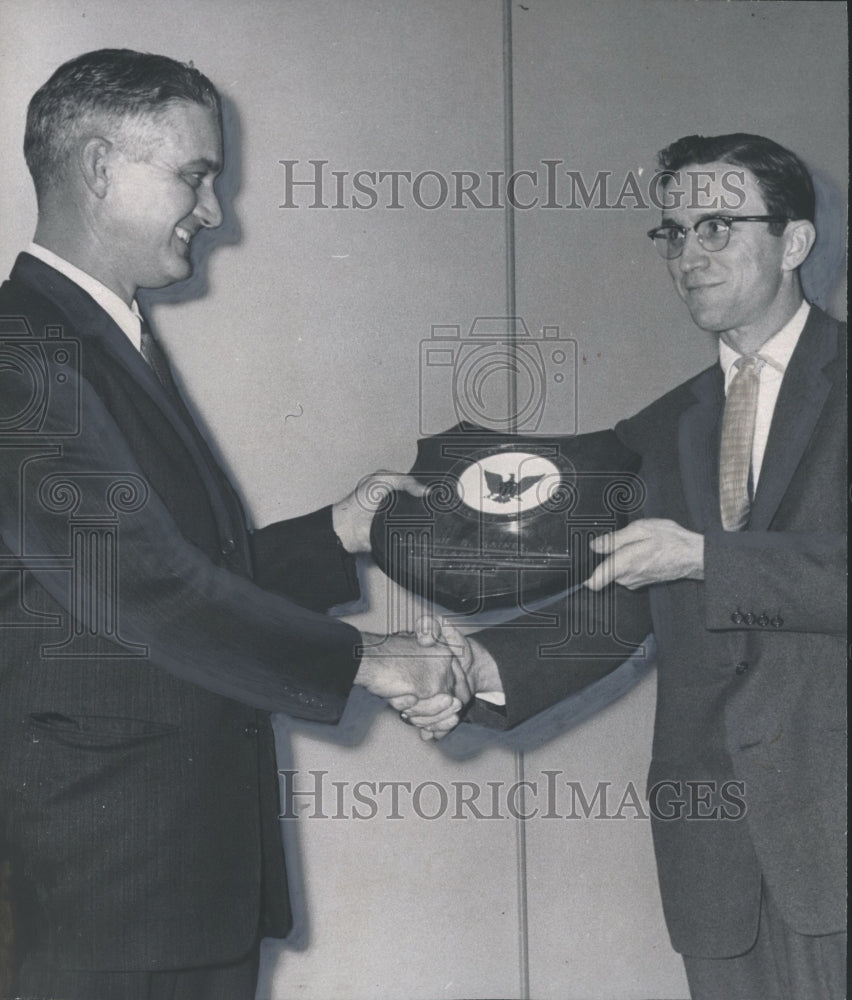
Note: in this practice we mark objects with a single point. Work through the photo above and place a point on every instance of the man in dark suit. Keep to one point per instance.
(146, 632)
(741, 549)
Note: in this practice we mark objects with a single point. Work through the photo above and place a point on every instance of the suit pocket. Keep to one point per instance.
(95, 732)
(87, 808)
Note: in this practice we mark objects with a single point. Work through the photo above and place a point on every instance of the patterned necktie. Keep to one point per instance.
(737, 438)
(153, 354)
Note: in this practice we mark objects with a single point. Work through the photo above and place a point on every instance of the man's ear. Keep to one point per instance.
(93, 160)
(799, 237)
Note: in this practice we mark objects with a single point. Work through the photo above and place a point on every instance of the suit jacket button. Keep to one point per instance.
(251, 730)
(228, 546)
(777, 621)
(763, 620)
(737, 618)
(748, 618)
(741, 667)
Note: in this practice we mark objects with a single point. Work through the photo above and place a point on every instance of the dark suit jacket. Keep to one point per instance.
(751, 661)
(139, 658)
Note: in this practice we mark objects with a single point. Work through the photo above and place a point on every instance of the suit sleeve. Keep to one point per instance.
(588, 636)
(196, 620)
(775, 581)
(304, 560)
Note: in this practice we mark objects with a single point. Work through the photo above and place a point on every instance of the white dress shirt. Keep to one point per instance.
(127, 318)
(776, 354)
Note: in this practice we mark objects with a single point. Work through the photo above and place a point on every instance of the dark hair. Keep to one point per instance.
(103, 88)
(784, 180)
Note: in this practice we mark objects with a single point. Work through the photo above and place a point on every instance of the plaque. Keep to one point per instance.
(505, 520)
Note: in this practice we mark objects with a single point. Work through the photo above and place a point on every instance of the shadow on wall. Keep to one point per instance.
(823, 270)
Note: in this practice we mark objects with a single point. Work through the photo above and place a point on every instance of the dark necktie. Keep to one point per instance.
(225, 519)
(737, 439)
(158, 362)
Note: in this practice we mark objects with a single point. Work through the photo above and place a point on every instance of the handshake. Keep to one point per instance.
(429, 677)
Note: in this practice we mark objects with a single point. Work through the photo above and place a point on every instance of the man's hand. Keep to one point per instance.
(433, 720)
(474, 671)
(651, 550)
(406, 673)
(353, 515)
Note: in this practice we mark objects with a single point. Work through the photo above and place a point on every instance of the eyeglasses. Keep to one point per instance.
(713, 233)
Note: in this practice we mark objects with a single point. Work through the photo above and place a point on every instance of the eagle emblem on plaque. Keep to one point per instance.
(505, 521)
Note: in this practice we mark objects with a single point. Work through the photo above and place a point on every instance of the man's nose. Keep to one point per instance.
(207, 208)
(693, 254)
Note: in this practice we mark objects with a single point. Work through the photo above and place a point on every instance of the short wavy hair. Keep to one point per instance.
(107, 91)
(784, 180)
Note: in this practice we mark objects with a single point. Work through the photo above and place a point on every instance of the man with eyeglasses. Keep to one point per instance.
(742, 550)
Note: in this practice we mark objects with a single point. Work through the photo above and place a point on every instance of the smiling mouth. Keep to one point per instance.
(183, 235)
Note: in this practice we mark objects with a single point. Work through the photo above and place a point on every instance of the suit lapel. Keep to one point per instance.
(91, 322)
(800, 402)
(698, 449)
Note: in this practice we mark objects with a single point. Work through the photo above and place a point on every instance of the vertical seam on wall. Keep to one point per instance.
(509, 212)
(512, 397)
(521, 859)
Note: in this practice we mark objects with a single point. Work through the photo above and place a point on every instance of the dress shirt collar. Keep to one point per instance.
(127, 318)
(776, 352)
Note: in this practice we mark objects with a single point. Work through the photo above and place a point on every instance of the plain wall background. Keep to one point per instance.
(303, 357)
